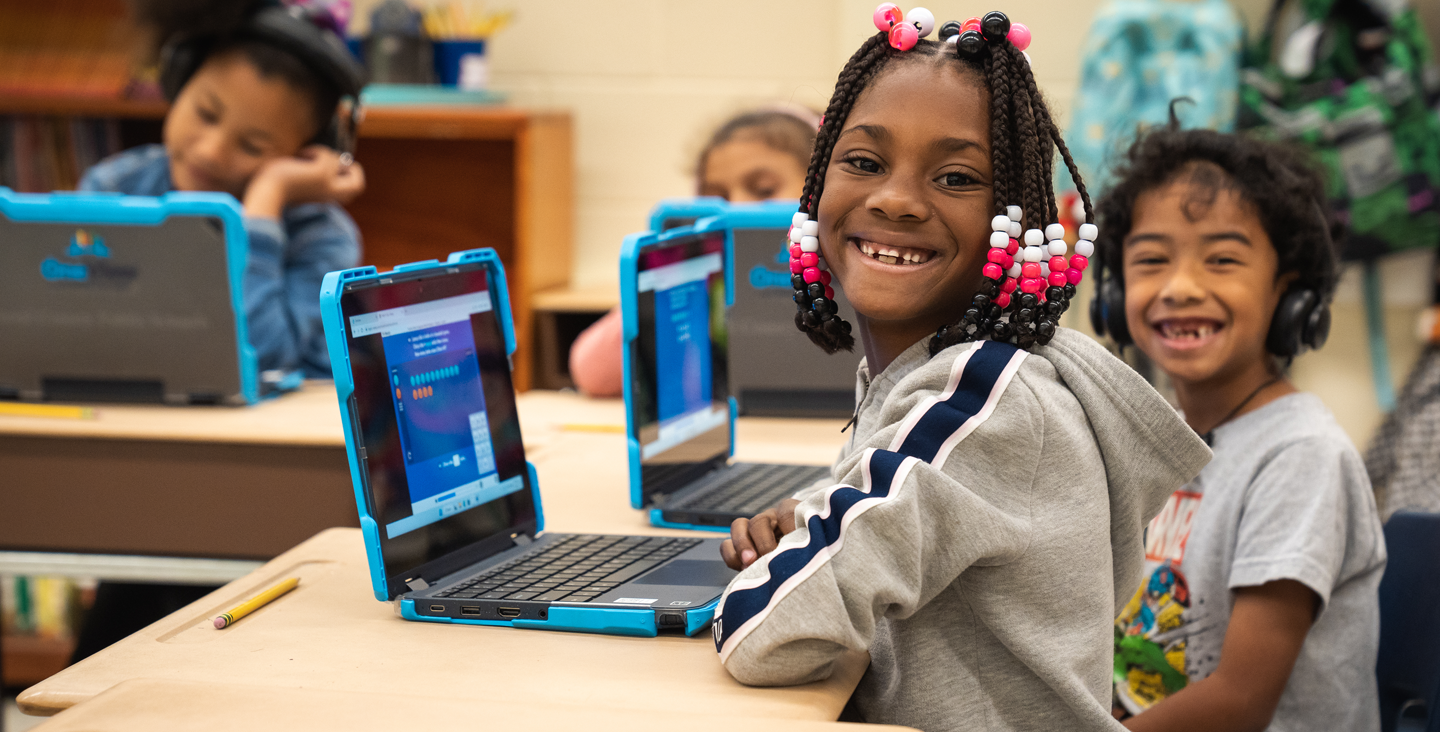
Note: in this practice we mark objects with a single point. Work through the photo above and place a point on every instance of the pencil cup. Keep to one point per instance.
(462, 64)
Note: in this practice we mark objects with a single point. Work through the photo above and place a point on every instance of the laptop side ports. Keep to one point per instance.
(469, 610)
(509, 612)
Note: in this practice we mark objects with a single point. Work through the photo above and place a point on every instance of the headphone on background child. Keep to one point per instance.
(1301, 319)
(290, 29)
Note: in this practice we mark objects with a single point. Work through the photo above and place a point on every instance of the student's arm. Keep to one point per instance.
(1267, 628)
(883, 543)
(282, 284)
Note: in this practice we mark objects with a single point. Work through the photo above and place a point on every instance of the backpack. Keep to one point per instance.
(1140, 55)
(1347, 79)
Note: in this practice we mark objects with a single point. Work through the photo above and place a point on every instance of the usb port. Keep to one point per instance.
(469, 610)
(509, 612)
(437, 608)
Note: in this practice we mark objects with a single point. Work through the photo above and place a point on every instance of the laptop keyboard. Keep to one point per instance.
(574, 569)
(749, 488)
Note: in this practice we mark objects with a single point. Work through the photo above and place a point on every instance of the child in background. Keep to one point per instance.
(262, 90)
(984, 521)
(754, 157)
(1259, 606)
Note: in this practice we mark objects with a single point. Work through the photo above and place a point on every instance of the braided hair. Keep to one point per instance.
(1023, 142)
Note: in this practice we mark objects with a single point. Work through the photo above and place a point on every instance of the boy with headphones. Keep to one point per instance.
(1258, 608)
(257, 92)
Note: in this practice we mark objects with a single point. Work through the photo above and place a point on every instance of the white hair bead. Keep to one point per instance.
(1034, 254)
(799, 218)
(922, 19)
(809, 244)
(1015, 228)
(1000, 223)
(1088, 231)
(1044, 269)
(999, 239)
(1057, 247)
(1014, 213)
(1015, 270)
(810, 228)
(1055, 231)
(795, 235)
(952, 40)
(1085, 248)
(1033, 238)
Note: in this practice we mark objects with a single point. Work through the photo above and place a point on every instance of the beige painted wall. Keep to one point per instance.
(648, 79)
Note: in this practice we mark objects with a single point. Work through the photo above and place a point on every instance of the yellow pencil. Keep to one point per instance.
(581, 427)
(47, 410)
(256, 602)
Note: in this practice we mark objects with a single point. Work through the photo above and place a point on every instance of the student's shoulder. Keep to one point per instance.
(979, 382)
(1294, 422)
(139, 171)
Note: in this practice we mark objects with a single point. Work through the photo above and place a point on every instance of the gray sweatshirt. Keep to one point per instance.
(983, 528)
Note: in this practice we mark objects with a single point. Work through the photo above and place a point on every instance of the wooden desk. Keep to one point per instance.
(148, 705)
(332, 635)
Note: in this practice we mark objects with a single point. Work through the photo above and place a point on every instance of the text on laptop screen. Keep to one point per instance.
(442, 442)
(679, 389)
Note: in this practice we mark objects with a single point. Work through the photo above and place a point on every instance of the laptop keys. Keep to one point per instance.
(574, 569)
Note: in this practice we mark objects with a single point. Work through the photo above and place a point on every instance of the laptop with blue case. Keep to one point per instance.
(449, 508)
(774, 370)
(106, 297)
(675, 290)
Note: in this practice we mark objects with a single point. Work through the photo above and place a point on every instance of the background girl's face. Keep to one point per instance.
(905, 213)
(1200, 283)
(746, 170)
(229, 120)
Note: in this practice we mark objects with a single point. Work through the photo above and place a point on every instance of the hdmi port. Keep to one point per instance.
(469, 611)
(509, 612)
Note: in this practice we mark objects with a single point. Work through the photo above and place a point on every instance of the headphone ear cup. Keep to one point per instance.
(1317, 327)
(179, 61)
(1289, 324)
(1107, 311)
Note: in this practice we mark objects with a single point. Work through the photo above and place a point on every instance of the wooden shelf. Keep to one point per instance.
(31, 659)
(72, 106)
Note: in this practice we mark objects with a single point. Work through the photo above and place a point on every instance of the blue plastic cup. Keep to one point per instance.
(462, 64)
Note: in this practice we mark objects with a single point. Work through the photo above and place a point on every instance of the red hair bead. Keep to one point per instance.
(1073, 276)
(1030, 270)
(1003, 299)
(1009, 285)
(808, 259)
(825, 278)
(1009, 262)
(829, 291)
(1080, 262)
(1057, 279)
(1030, 284)
(811, 275)
(971, 24)
(795, 251)
(1013, 247)
(993, 271)
(1058, 264)
(997, 256)
(886, 16)
(796, 267)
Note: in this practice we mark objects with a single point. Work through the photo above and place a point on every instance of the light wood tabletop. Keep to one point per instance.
(149, 705)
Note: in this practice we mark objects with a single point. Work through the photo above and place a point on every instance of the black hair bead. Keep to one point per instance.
(1046, 329)
(1000, 330)
(1024, 315)
(993, 312)
(949, 28)
(811, 319)
(989, 288)
(845, 326)
(1054, 293)
(1054, 307)
(797, 282)
(816, 289)
(972, 314)
(970, 43)
(802, 299)
(1070, 291)
(995, 26)
(1028, 300)
(981, 301)
(818, 304)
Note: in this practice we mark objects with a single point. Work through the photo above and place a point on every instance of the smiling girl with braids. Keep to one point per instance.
(984, 521)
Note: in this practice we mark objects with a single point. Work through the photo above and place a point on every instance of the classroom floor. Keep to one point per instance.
(15, 721)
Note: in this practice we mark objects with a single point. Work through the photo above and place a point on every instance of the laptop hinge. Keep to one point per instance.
(416, 584)
(522, 540)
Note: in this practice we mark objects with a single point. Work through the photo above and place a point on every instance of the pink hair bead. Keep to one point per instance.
(811, 275)
(997, 256)
(887, 15)
(808, 259)
(1003, 300)
(993, 271)
(904, 36)
(1040, 293)
(1030, 270)
(1080, 262)
(1030, 284)
(829, 291)
(796, 267)
(795, 251)
(1073, 276)
(1058, 264)
(1009, 262)
(1057, 279)
(1019, 36)
(1013, 247)
(824, 277)
(1009, 285)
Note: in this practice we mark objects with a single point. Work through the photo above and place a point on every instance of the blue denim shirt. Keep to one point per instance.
(288, 258)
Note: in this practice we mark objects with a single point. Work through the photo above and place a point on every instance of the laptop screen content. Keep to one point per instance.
(679, 390)
(433, 391)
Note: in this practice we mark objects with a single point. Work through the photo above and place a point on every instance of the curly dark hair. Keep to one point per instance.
(1023, 142)
(1282, 185)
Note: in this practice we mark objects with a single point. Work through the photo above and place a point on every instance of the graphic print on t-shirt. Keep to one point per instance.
(1169, 531)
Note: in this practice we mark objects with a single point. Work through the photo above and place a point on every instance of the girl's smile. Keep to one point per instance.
(892, 254)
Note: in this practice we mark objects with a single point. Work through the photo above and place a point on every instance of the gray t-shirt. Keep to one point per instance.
(1286, 497)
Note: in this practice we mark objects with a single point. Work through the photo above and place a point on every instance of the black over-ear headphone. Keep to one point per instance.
(1301, 319)
(290, 29)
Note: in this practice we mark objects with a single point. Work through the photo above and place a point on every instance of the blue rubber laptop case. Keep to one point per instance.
(105, 297)
(675, 289)
(449, 508)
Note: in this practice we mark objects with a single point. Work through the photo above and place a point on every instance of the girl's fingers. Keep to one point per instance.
(727, 553)
(762, 532)
(740, 536)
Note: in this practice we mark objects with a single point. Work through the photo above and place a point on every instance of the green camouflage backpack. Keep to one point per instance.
(1351, 80)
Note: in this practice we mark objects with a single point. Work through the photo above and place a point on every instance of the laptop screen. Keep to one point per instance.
(680, 390)
(437, 411)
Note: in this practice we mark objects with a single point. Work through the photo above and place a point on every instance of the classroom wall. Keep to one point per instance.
(648, 79)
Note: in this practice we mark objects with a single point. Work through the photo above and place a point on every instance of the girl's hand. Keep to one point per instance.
(317, 174)
(750, 538)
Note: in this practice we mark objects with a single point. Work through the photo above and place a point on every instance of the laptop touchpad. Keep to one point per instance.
(693, 572)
